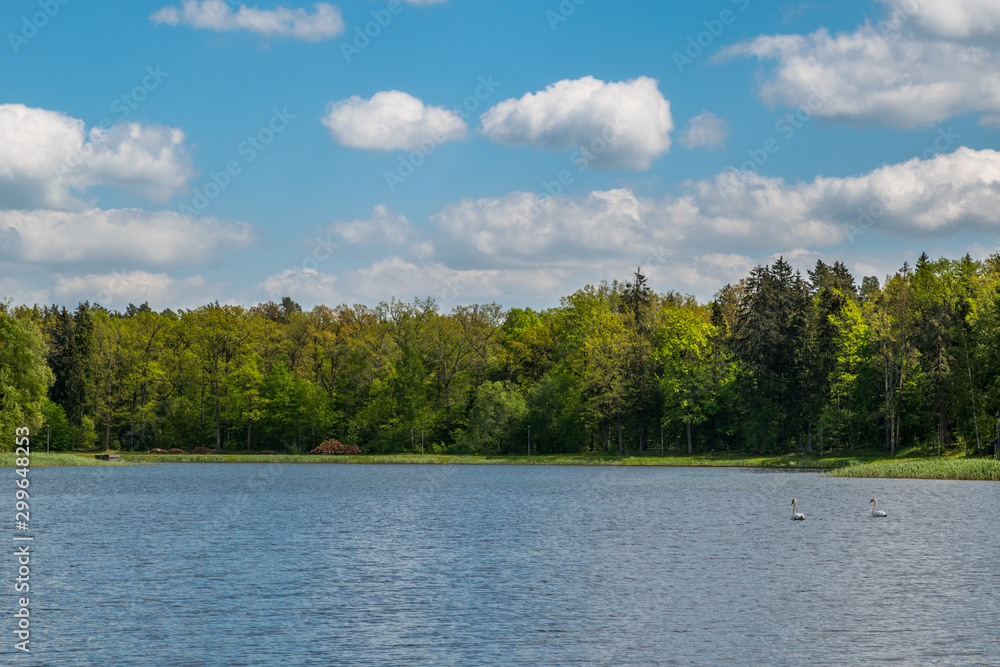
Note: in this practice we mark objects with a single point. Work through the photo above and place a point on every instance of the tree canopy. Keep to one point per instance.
(775, 362)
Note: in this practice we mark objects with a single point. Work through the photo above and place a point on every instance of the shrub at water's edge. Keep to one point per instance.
(964, 468)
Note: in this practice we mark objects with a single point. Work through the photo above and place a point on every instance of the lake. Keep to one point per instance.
(262, 564)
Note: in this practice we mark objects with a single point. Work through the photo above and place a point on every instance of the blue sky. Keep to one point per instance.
(186, 151)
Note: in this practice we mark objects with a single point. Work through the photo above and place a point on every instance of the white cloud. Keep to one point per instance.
(325, 22)
(706, 130)
(307, 285)
(525, 249)
(131, 237)
(391, 120)
(876, 76)
(48, 158)
(734, 213)
(407, 280)
(117, 290)
(950, 19)
(920, 198)
(626, 125)
(384, 226)
(520, 228)
(24, 291)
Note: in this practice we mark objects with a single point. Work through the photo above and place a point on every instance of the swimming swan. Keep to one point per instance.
(797, 516)
(874, 504)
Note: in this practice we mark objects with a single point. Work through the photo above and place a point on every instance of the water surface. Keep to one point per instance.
(262, 564)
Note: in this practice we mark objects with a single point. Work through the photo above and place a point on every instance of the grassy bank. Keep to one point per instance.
(848, 464)
(506, 459)
(792, 461)
(42, 460)
(948, 468)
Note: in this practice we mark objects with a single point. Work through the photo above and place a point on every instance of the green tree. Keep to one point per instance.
(24, 375)
(683, 350)
(496, 420)
(595, 346)
(56, 431)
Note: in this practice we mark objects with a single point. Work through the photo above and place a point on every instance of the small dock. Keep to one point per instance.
(108, 457)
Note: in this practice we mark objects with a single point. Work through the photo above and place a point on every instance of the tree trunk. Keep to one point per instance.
(218, 423)
(888, 407)
(972, 390)
(690, 447)
(943, 425)
(333, 376)
(621, 443)
(249, 429)
(447, 406)
(809, 439)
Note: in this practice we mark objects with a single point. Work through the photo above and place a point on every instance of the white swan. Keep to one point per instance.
(797, 516)
(876, 512)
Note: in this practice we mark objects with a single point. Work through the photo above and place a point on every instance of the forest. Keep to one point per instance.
(777, 362)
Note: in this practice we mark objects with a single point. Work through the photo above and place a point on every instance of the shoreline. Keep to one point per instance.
(838, 465)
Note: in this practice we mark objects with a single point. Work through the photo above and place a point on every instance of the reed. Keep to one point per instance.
(949, 468)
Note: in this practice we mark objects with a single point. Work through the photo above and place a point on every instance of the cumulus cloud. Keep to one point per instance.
(131, 237)
(117, 290)
(920, 198)
(391, 120)
(388, 276)
(522, 248)
(735, 212)
(518, 246)
(307, 285)
(325, 22)
(921, 64)
(706, 130)
(48, 158)
(385, 226)
(626, 124)
(950, 19)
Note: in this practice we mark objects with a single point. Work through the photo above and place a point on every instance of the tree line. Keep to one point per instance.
(776, 362)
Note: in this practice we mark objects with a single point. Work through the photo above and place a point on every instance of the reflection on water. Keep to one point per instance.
(488, 565)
